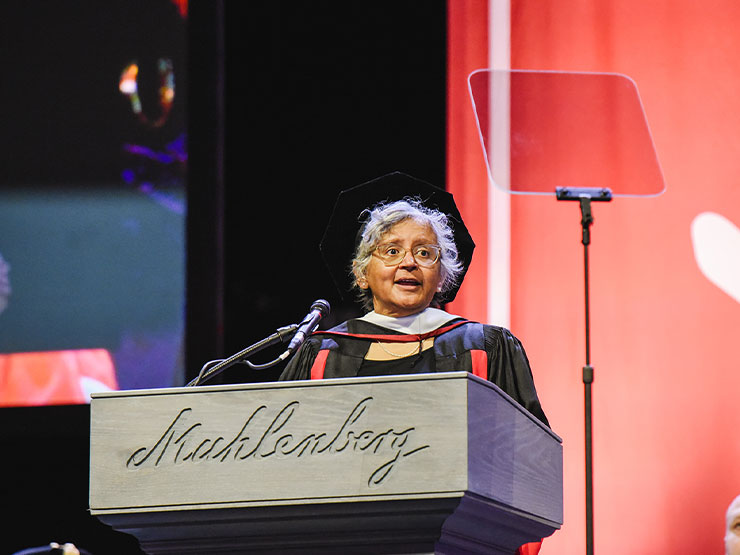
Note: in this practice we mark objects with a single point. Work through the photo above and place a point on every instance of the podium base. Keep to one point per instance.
(468, 524)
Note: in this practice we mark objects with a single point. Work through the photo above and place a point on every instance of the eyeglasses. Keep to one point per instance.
(425, 255)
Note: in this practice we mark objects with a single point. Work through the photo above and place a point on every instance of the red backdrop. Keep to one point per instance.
(664, 335)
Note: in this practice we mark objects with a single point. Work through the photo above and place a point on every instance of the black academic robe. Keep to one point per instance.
(459, 345)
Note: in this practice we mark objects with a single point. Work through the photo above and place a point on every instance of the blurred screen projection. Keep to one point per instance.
(542, 130)
(93, 200)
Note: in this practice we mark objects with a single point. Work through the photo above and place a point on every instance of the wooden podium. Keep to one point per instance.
(423, 463)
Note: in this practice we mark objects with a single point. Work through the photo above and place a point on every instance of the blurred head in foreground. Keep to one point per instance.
(732, 528)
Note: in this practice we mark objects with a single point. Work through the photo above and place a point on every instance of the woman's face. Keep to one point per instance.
(404, 288)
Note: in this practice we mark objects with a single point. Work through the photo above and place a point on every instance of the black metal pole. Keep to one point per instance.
(588, 376)
(584, 195)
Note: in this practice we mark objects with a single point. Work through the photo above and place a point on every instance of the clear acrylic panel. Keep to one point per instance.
(541, 130)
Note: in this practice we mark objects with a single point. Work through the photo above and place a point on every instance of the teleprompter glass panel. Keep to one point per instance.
(541, 130)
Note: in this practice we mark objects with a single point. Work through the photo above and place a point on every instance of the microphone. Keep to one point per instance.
(319, 309)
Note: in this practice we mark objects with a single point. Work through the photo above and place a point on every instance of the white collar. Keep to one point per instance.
(425, 321)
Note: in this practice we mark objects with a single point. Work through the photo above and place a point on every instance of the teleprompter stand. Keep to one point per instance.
(585, 196)
(539, 129)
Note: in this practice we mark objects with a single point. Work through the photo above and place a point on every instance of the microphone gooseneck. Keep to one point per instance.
(319, 309)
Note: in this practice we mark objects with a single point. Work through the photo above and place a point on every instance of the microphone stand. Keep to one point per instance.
(278, 337)
(584, 196)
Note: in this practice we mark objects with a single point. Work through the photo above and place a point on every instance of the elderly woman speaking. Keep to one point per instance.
(401, 245)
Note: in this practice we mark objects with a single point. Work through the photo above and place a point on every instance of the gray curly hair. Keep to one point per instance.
(381, 218)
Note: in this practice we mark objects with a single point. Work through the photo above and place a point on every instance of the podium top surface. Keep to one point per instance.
(341, 382)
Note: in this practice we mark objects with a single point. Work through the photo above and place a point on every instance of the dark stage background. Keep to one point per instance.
(318, 98)
(288, 103)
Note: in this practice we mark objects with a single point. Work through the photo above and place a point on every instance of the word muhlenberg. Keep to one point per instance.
(262, 437)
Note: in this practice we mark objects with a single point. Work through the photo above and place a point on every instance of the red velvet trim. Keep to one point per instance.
(319, 364)
(529, 548)
(479, 360)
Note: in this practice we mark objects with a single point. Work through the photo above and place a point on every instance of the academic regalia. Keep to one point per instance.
(491, 352)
